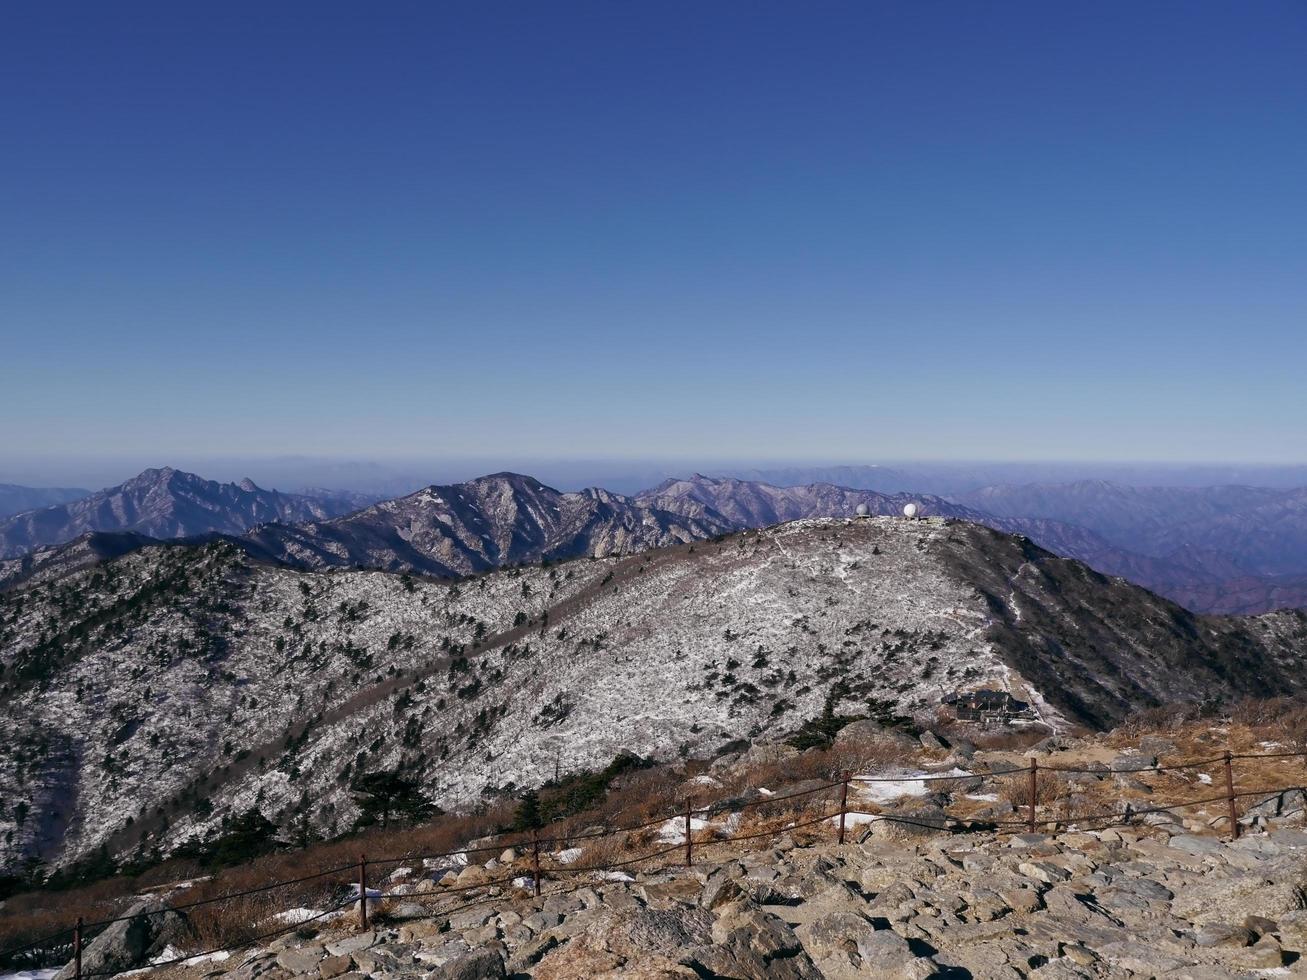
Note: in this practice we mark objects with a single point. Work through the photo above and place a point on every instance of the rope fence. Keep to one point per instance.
(684, 821)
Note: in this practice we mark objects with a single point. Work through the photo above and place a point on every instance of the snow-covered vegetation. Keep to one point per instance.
(150, 701)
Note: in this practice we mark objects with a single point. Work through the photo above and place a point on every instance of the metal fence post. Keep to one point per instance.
(535, 859)
(1034, 791)
(844, 802)
(363, 892)
(1229, 795)
(77, 950)
(689, 854)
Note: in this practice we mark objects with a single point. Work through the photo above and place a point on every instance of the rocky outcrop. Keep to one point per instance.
(1112, 903)
(130, 943)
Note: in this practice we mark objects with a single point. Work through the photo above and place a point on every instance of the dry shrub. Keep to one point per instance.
(1290, 729)
(1277, 719)
(821, 764)
(232, 923)
(1161, 719)
(603, 851)
(868, 754)
(1049, 789)
(635, 797)
(20, 928)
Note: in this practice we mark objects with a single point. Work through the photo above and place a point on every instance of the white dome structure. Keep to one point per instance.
(863, 510)
(911, 511)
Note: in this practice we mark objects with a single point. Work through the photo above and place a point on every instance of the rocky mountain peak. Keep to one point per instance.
(161, 503)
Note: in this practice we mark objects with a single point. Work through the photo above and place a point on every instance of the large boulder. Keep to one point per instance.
(856, 731)
(1156, 745)
(1288, 805)
(1132, 762)
(833, 941)
(1268, 893)
(908, 824)
(480, 964)
(131, 942)
(767, 754)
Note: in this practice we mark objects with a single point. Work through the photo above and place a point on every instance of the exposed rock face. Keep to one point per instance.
(164, 503)
(1107, 904)
(130, 943)
(165, 676)
(494, 521)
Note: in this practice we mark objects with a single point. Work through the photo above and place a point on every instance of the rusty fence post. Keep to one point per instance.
(1229, 795)
(535, 859)
(77, 949)
(1034, 791)
(363, 892)
(844, 802)
(689, 854)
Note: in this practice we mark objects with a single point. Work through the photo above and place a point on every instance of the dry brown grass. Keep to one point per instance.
(610, 850)
(1016, 790)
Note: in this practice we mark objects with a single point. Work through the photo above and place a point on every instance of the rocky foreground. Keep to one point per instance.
(1144, 902)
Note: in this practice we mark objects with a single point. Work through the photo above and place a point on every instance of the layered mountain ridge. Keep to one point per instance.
(163, 503)
(1185, 550)
(468, 528)
(15, 499)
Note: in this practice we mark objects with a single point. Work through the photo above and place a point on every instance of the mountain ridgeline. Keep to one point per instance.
(163, 503)
(469, 528)
(15, 499)
(153, 694)
(1213, 549)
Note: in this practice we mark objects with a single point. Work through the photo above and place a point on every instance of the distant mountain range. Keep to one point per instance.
(1263, 531)
(164, 503)
(1214, 549)
(16, 499)
(491, 522)
(744, 503)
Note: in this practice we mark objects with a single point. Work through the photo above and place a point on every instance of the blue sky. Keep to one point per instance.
(728, 230)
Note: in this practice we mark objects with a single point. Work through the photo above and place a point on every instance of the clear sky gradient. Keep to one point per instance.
(843, 231)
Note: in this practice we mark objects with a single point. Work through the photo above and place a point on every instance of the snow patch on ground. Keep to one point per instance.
(673, 831)
(293, 917)
(906, 784)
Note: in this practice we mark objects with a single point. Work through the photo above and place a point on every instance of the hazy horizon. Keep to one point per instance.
(393, 477)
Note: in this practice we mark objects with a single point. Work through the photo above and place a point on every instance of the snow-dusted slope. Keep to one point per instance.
(745, 503)
(178, 675)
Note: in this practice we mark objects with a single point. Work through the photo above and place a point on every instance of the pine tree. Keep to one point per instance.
(386, 793)
(528, 815)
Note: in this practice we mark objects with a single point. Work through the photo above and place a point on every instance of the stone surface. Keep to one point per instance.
(128, 944)
(1128, 902)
